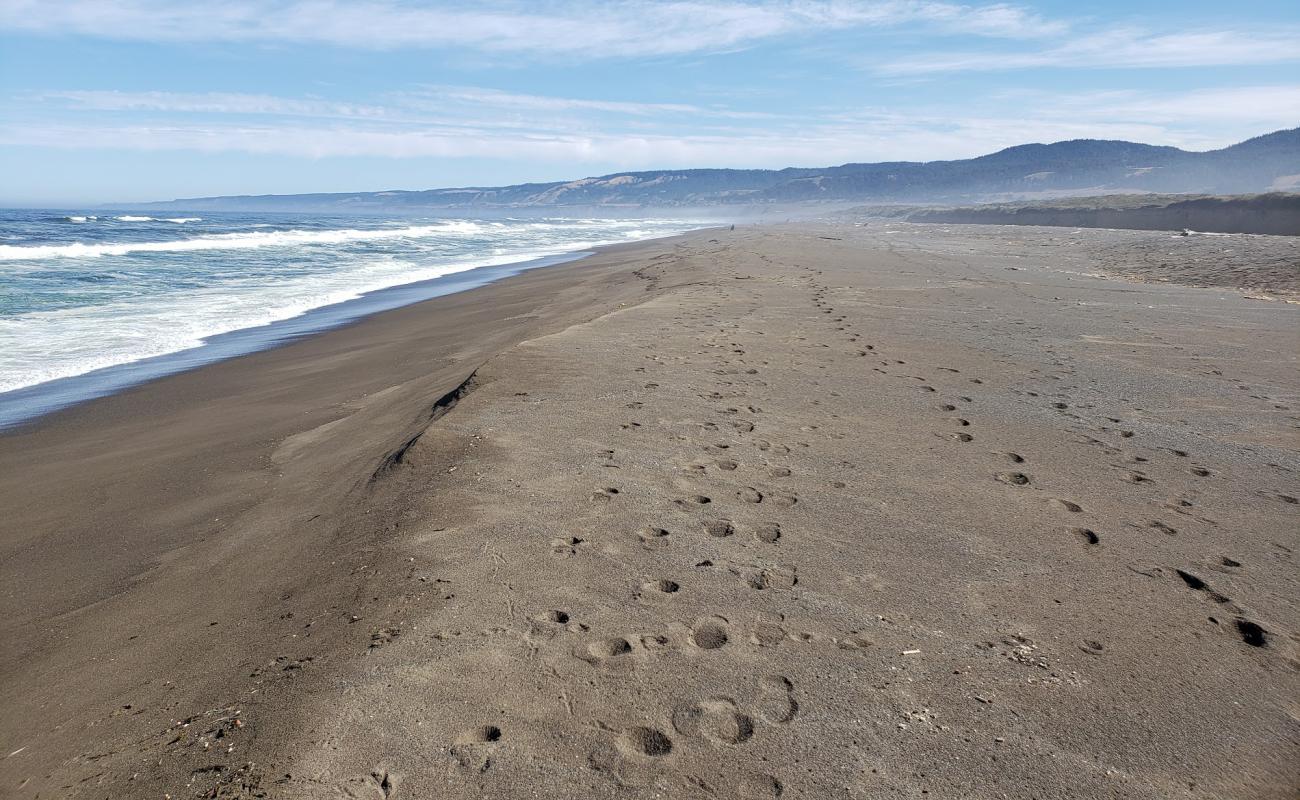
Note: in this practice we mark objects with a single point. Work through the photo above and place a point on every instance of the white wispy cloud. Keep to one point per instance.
(583, 29)
(1118, 48)
(584, 137)
(427, 104)
(211, 103)
(495, 98)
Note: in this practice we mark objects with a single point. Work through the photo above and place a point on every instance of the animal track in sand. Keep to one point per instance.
(694, 500)
(719, 527)
(710, 633)
(1168, 530)
(767, 532)
(1065, 505)
(661, 586)
(749, 495)
(566, 545)
(642, 742)
(602, 650)
(717, 719)
(776, 702)
(649, 533)
(774, 578)
(484, 734)
(1250, 632)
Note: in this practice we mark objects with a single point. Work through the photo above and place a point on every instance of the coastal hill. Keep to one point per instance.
(1082, 166)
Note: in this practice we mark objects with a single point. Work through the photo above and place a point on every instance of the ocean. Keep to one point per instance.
(93, 301)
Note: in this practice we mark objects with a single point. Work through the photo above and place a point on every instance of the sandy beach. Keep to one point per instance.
(817, 510)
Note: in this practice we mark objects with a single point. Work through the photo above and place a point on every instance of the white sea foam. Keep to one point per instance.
(177, 220)
(41, 346)
(235, 241)
(85, 218)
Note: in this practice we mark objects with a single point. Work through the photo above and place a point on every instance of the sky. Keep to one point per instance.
(133, 100)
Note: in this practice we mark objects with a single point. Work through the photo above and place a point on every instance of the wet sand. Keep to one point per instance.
(818, 510)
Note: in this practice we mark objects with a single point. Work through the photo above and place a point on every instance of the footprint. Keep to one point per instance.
(604, 650)
(483, 734)
(661, 586)
(768, 630)
(774, 578)
(776, 701)
(1013, 478)
(566, 545)
(694, 500)
(716, 719)
(650, 533)
(642, 742)
(1086, 535)
(726, 464)
(767, 532)
(784, 500)
(719, 527)
(710, 633)
(750, 495)
(1065, 505)
(379, 783)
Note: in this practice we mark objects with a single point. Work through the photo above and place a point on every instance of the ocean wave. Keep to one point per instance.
(177, 220)
(125, 311)
(235, 241)
(86, 218)
(45, 346)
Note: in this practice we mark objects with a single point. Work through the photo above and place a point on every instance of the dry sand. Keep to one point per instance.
(803, 511)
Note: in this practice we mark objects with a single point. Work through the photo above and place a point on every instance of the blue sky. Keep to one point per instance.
(104, 100)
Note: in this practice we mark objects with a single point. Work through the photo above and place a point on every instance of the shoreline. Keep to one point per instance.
(28, 404)
(799, 510)
(118, 508)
